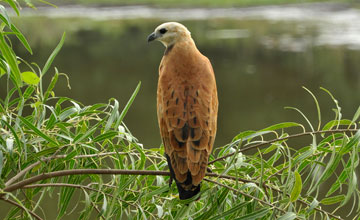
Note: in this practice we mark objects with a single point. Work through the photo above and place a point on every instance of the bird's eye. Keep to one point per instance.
(162, 31)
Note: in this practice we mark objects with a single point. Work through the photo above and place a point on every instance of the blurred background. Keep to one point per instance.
(262, 51)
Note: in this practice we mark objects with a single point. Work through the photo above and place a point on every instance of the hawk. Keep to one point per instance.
(187, 107)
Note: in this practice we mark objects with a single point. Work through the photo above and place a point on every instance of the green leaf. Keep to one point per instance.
(11, 60)
(22, 39)
(333, 123)
(53, 55)
(333, 200)
(233, 210)
(28, 92)
(13, 5)
(4, 16)
(357, 115)
(255, 215)
(107, 135)
(281, 126)
(295, 193)
(127, 106)
(288, 216)
(30, 78)
(104, 206)
(113, 115)
(51, 86)
(37, 131)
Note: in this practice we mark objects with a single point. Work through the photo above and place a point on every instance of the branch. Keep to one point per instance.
(23, 208)
(26, 183)
(49, 175)
(281, 139)
(27, 169)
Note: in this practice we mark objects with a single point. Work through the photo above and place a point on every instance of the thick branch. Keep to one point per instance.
(281, 139)
(21, 207)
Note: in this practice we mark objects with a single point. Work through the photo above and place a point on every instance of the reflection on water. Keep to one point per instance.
(261, 57)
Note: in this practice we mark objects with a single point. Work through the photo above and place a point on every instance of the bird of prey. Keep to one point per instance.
(187, 107)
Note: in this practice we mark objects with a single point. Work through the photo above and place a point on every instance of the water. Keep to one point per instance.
(262, 56)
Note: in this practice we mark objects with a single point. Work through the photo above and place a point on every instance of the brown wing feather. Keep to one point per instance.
(187, 112)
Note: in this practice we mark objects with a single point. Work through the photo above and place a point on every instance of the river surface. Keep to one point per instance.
(262, 56)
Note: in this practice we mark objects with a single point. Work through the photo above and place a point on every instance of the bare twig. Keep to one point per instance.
(281, 139)
(26, 183)
(21, 207)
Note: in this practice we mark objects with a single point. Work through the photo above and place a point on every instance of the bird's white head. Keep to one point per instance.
(169, 33)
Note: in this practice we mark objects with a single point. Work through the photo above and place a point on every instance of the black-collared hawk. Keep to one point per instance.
(187, 107)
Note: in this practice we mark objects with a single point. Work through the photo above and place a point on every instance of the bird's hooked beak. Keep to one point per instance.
(151, 37)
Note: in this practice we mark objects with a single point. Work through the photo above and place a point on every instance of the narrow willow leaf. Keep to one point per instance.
(51, 86)
(17, 140)
(37, 131)
(340, 180)
(53, 55)
(216, 200)
(65, 114)
(281, 126)
(357, 115)
(255, 215)
(80, 137)
(354, 141)
(104, 206)
(288, 216)
(30, 78)
(4, 16)
(233, 210)
(22, 39)
(127, 106)
(108, 135)
(10, 58)
(333, 200)
(182, 212)
(250, 135)
(113, 115)
(334, 123)
(295, 193)
(28, 92)
(317, 105)
(303, 115)
(13, 5)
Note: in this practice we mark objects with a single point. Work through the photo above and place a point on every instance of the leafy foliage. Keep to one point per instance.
(49, 142)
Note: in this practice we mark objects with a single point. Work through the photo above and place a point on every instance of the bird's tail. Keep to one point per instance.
(186, 189)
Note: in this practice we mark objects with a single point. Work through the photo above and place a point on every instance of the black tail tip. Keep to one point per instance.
(184, 194)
